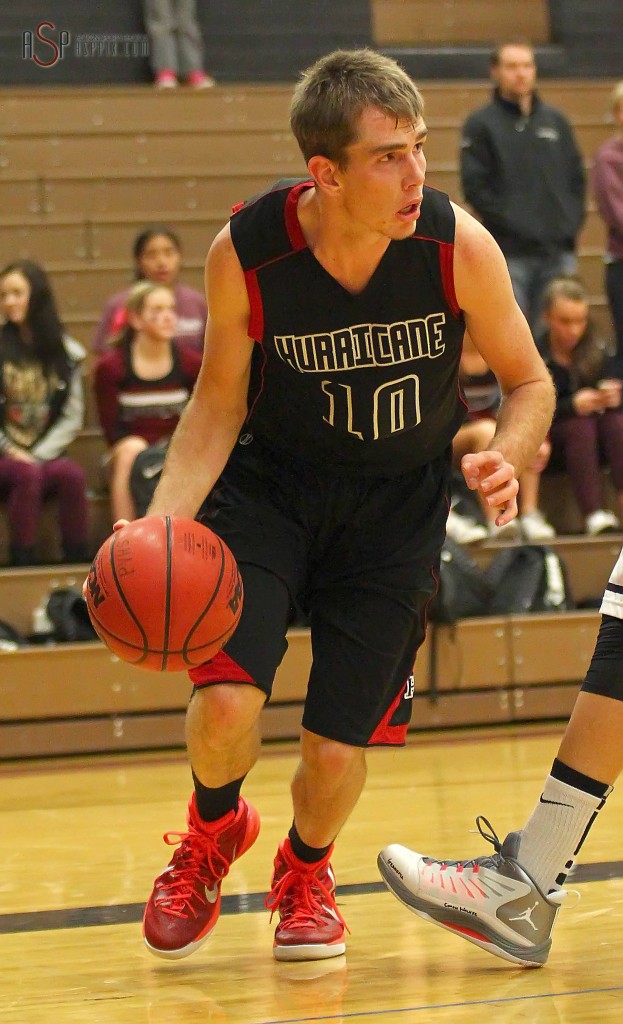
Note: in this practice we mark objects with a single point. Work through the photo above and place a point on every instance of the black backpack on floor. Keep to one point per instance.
(464, 590)
(528, 578)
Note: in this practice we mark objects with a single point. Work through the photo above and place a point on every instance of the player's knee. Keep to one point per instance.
(333, 760)
(228, 711)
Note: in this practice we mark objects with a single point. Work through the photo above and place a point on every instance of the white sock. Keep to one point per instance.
(554, 834)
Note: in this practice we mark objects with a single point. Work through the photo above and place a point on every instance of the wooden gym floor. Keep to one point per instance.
(80, 845)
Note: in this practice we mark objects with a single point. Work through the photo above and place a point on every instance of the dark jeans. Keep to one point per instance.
(581, 444)
(614, 288)
(530, 276)
(24, 486)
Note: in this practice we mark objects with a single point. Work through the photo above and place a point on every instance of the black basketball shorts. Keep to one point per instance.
(359, 556)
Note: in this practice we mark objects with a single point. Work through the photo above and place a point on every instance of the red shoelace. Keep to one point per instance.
(197, 860)
(302, 899)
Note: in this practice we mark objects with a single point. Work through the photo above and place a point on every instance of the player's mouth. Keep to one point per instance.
(411, 211)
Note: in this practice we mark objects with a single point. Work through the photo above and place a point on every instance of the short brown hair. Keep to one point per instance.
(496, 54)
(331, 96)
(564, 287)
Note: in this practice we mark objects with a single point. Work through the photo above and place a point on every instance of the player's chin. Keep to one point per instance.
(402, 228)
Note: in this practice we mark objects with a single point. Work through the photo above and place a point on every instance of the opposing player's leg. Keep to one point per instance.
(507, 903)
(223, 744)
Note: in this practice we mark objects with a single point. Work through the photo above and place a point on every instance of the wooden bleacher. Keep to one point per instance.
(401, 21)
(73, 698)
(81, 172)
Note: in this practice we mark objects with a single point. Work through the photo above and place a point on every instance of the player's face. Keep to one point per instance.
(160, 260)
(14, 297)
(157, 318)
(515, 74)
(567, 320)
(382, 184)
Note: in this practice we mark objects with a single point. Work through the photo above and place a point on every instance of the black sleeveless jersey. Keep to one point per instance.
(366, 382)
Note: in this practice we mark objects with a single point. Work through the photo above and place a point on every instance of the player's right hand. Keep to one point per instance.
(116, 526)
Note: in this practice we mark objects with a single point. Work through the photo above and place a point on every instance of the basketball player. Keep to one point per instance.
(507, 902)
(321, 429)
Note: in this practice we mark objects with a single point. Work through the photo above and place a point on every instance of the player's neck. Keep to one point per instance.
(349, 253)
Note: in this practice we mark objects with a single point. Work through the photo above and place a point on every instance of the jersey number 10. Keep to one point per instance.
(395, 407)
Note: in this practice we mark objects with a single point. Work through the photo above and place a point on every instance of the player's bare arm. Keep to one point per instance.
(499, 330)
(210, 423)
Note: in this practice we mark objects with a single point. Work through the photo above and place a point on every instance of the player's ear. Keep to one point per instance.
(323, 171)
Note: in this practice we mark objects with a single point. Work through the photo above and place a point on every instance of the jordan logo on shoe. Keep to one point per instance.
(556, 803)
(526, 915)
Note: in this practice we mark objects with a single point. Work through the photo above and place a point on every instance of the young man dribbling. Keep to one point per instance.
(320, 429)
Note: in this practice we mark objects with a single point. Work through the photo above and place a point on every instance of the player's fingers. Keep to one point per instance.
(507, 514)
(502, 495)
(492, 482)
(478, 465)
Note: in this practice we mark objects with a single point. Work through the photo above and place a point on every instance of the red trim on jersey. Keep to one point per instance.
(293, 226)
(237, 206)
(446, 267)
(256, 315)
(220, 669)
(390, 734)
(446, 264)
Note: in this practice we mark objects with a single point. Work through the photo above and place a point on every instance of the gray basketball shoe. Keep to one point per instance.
(490, 901)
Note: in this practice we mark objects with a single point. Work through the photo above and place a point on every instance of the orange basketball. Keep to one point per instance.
(164, 593)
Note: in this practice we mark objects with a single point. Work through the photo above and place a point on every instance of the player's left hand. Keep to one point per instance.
(494, 478)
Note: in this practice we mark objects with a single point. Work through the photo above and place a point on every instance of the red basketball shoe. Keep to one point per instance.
(186, 899)
(310, 925)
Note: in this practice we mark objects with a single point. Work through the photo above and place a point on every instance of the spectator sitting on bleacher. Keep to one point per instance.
(142, 385)
(41, 411)
(587, 430)
(157, 257)
(608, 189)
(482, 394)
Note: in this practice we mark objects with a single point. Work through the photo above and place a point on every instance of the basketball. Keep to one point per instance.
(164, 593)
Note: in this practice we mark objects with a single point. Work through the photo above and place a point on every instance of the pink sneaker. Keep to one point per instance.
(165, 80)
(310, 925)
(199, 80)
(186, 899)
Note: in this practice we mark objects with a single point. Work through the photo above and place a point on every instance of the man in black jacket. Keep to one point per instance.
(523, 174)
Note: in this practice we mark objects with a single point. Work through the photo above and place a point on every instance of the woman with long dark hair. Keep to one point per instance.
(157, 255)
(41, 411)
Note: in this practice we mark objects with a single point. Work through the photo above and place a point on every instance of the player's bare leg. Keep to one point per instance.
(223, 742)
(325, 789)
